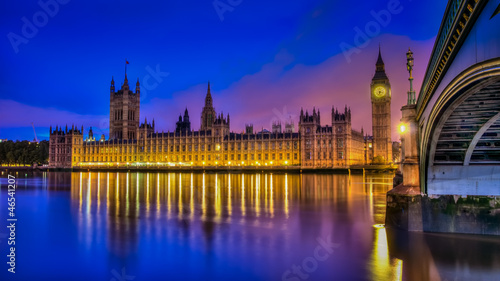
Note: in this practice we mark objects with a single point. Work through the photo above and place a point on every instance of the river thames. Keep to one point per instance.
(225, 226)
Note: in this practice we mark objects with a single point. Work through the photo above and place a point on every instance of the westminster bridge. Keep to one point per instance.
(451, 149)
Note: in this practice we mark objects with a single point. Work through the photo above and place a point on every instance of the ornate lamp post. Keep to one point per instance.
(409, 67)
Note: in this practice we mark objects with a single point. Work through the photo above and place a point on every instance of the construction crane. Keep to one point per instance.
(36, 139)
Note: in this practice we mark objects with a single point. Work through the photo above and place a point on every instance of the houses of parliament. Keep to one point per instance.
(132, 144)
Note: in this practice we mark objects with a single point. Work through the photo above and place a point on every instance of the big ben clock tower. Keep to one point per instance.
(381, 113)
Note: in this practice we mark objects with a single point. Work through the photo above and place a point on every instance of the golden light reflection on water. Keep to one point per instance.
(179, 201)
(191, 201)
(229, 204)
(98, 192)
(382, 266)
(251, 200)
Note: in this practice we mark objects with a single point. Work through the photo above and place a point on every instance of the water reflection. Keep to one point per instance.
(224, 226)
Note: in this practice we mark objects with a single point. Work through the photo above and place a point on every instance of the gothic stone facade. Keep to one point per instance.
(381, 114)
(132, 144)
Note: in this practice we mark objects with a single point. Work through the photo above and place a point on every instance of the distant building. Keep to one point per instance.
(312, 146)
(248, 128)
(396, 152)
(276, 127)
(183, 125)
(64, 146)
(368, 149)
(289, 127)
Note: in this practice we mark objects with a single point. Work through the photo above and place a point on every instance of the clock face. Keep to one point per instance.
(379, 92)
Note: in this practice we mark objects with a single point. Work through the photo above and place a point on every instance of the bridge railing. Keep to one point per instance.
(457, 22)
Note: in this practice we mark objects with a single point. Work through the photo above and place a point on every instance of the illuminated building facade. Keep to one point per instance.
(138, 145)
(381, 114)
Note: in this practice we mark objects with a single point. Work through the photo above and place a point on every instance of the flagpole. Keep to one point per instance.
(125, 67)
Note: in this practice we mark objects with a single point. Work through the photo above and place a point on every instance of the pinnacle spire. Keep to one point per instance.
(380, 61)
(208, 98)
(380, 67)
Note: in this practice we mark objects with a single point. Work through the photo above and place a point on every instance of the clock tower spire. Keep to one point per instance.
(381, 114)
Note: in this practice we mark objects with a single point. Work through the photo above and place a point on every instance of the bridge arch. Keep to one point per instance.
(460, 146)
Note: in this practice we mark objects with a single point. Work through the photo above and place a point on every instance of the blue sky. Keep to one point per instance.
(265, 59)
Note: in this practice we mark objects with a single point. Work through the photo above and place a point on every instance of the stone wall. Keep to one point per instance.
(443, 213)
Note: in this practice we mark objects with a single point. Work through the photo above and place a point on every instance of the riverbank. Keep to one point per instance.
(372, 169)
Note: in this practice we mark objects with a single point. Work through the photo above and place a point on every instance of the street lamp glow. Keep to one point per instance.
(402, 128)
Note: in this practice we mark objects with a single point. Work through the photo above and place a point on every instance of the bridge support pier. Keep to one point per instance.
(404, 201)
(409, 147)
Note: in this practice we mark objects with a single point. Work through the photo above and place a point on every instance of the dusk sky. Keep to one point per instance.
(264, 59)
